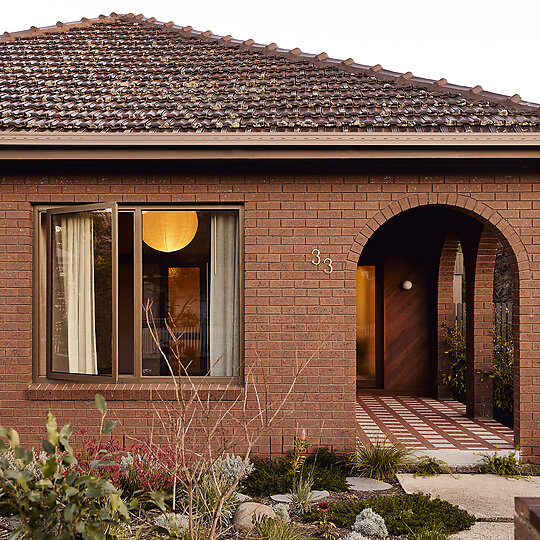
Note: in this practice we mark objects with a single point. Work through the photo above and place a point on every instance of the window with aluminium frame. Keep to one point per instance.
(132, 293)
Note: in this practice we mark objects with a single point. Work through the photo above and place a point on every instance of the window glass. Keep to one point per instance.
(126, 288)
(365, 322)
(180, 267)
(81, 292)
(190, 286)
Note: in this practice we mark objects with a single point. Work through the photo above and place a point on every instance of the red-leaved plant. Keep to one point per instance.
(135, 470)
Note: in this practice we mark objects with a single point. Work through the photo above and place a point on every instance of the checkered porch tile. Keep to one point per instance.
(427, 424)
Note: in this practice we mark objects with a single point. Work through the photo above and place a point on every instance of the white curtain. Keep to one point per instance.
(224, 296)
(78, 267)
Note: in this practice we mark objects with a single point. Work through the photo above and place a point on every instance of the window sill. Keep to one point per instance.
(62, 391)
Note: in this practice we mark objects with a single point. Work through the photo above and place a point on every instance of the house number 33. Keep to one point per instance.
(317, 260)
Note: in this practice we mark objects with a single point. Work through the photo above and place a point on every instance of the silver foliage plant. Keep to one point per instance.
(282, 511)
(174, 523)
(230, 467)
(370, 523)
(17, 464)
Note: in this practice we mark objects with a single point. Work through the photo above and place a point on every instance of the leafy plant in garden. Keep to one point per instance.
(508, 466)
(380, 459)
(370, 523)
(301, 446)
(326, 527)
(301, 490)
(454, 376)
(135, 470)
(403, 514)
(63, 503)
(502, 373)
(274, 476)
(430, 466)
(302, 479)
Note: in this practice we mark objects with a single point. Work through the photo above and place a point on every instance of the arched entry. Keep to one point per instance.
(409, 239)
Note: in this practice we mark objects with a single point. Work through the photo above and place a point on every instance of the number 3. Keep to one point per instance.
(330, 268)
(317, 259)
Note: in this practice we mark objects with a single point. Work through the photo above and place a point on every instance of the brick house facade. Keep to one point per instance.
(305, 199)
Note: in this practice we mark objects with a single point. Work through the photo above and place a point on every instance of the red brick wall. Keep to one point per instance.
(290, 305)
(445, 307)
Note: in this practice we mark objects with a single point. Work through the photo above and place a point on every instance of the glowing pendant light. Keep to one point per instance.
(168, 231)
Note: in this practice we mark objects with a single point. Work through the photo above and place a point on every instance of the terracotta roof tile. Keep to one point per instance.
(127, 73)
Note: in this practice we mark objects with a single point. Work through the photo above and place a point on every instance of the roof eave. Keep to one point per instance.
(244, 145)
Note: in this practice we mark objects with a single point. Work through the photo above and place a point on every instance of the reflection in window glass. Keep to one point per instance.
(191, 285)
(365, 321)
(81, 293)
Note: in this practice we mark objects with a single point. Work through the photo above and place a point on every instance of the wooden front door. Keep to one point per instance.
(406, 340)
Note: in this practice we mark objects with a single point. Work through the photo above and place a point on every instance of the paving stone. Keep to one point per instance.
(357, 483)
(483, 495)
(286, 498)
(484, 530)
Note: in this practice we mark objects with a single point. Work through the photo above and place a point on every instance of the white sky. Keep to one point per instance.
(494, 43)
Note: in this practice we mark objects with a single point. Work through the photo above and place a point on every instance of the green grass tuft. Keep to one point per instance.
(508, 466)
(380, 460)
(430, 466)
(275, 529)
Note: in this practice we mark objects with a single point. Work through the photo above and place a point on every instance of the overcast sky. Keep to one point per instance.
(494, 43)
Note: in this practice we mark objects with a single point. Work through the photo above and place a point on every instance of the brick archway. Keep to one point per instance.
(522, 278)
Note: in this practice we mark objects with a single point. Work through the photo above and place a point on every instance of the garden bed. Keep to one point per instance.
(109, 491)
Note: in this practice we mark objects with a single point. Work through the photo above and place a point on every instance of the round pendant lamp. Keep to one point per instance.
(169, 231)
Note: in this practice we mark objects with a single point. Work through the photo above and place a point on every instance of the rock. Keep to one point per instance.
(242, 497)
(357, 483)
(243, 517)
(286, 498)
(318, 495)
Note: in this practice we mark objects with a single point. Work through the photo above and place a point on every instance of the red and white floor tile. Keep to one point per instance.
(427, 424)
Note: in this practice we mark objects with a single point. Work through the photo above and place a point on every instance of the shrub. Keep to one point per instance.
(64, 503)
(7, 506)
(301, 491)
(370, 523)
(171, 524)
(430, 466)
(230, 466)
(282, 511)
(275, 476)
(135, 470)
(380, 459)
(206, 495)
(454, 376)
(403, 514)
(276, 529)
(508, 466)
(502, 373)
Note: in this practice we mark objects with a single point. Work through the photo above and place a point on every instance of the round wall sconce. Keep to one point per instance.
(406, 285)
(169, 230)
